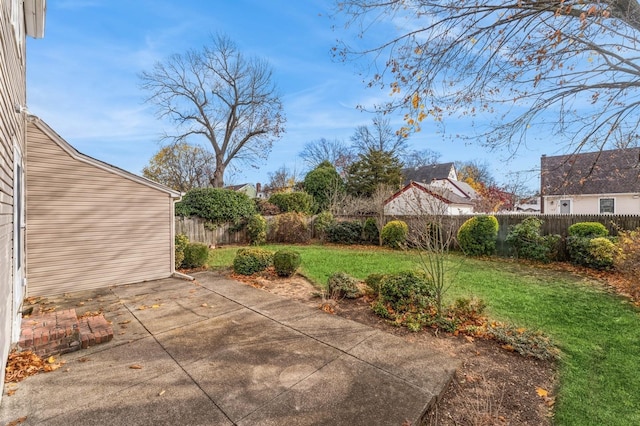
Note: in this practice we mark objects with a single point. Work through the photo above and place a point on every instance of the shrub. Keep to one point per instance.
(370, 231)
(257, 230)
(181, 242)
(601, 253)
(322, 223)
(290, 228)
(248, 261)
(477, 236)
(298, 202)
(598, 255)
(286, 262)
(216, 205)
(345, 232)
(526, 241)
(341, 285)
(406, 291)
(374, 281)
(394, 234)
(627, 258)
(195, 255)
(266, 208)
(588, 230)
(523, 341)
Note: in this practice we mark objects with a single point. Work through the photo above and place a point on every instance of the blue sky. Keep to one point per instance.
(82, 78)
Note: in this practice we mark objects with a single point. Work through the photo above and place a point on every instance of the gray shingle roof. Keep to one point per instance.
(426, 174)
(602, 172)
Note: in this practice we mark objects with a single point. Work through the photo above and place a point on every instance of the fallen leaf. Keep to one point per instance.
(469, 339)
(51, 359)
(161, 392)
(124, 322)
(84, 359)
(17, 421)
(135, 367)
(142, 308)
(155, 306)
(542, 393)
(204, 305)
(11, 392)
(508, 348)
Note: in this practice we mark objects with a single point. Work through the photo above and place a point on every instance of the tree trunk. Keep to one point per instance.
(218, 175)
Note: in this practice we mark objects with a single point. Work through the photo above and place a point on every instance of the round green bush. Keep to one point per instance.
(181, 242)
(195, 255)
(345, 232)
(321, 224)
(477, 236)
(527, 243)
(406, 291)
(216, 205)
(601, 253)
(588, 230)
(257, 230)
(286, 262)
(341, 285)
(290, 228)
(298, 202)
(580, 249)
(394, 234)
(248, 261)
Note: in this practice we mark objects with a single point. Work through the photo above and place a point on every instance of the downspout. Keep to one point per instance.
(174, 273)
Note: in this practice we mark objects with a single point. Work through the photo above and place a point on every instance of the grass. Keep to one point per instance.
(598, 332)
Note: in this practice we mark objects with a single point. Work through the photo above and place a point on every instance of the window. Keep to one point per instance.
(565, 206)
(607, 205)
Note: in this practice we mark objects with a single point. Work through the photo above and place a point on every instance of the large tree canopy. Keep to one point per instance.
(570, 67)
(219, 94)
(181, 166)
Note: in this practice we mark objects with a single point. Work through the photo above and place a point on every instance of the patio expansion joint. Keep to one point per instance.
(195, 382)
(341, 351)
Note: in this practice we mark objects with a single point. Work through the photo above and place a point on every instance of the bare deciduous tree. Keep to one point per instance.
(335, 151)
(570, 67)
(219, 94)
(425, 157)
(379, 137)
(432, 234)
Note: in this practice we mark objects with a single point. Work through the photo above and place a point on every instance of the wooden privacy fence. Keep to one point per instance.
(552, 224)
(199, 231)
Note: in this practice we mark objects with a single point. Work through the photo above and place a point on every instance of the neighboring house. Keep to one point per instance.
(417, 199)
(528, 205)
(90, 224)
(604, 182)
(459, 188)
(18, 18)
(245, 188)
(427, 174)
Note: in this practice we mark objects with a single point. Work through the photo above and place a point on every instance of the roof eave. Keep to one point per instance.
(34, 17)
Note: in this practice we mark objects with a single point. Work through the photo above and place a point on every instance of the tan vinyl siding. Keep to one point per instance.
(88, 227)
(12, 128)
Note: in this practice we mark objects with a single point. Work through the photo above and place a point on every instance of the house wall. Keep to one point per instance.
(12, 136)
(90, 226)
(413, 202)
(590, 204)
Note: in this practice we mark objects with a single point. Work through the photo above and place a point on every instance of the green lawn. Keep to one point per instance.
(598, 332)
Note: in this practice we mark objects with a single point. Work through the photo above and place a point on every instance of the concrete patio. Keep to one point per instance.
(218, 352)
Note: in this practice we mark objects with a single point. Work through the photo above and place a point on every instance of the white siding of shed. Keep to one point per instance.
(89, 226)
